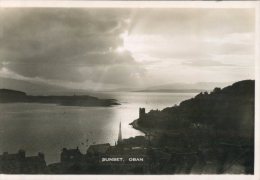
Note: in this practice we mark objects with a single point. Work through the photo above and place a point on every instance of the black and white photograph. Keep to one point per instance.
(127, 91)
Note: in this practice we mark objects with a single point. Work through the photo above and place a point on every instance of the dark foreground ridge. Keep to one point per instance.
(12, 96)
(227, 111)
(218, 126)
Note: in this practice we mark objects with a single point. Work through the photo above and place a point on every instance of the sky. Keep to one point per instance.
(98, 49)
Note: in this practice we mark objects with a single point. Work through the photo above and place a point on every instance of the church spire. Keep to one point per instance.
(119, 134)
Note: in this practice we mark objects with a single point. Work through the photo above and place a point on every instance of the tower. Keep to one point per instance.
(141, 113)
(119, 135)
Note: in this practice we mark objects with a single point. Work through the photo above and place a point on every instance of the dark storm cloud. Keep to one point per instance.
(65, 44)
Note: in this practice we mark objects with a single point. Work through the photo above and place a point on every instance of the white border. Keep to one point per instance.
(257, 91)
(129, 4)
(156, 4)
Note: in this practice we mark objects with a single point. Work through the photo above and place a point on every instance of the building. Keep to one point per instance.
(119, 135)
(98, 149)
(141, 113)
(18, 163)
(70, 155)
(35, 164)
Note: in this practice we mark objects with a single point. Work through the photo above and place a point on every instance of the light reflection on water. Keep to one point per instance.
(49, 128)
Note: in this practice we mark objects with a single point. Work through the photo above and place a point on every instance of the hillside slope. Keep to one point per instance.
(227, 111)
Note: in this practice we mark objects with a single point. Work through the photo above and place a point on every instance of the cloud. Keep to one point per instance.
(78, 47)
(183, 43)
(193, 21)
(66, 44)
(206, 63)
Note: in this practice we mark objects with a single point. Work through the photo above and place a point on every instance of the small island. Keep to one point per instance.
(13, 96)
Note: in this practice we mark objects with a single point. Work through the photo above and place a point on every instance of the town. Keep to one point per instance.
(135, 155)
(127, 155)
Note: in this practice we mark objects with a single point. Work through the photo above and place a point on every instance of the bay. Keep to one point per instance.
(49, 128)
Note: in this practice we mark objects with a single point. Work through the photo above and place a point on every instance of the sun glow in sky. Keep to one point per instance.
(138, 45)
(120, 49)
(134, 48)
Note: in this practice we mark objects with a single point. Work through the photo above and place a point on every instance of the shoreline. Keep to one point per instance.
(135, 125)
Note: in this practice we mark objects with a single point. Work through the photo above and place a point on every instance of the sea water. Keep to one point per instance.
(48, 128)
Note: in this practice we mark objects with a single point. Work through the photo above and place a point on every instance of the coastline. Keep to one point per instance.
(14, 96)
(135, 125)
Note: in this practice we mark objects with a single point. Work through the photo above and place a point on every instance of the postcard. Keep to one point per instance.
(129, 88)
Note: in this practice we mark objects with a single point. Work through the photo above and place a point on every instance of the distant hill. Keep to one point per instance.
(227, 111)
(33, 88)
(172, 90)
(13, 96)
(183, 87)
